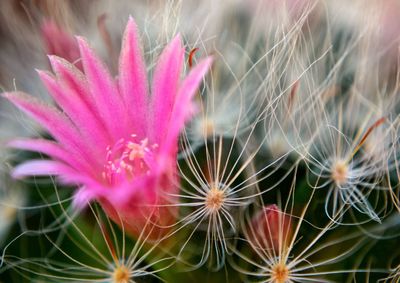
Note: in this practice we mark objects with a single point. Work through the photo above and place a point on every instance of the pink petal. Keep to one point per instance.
(49, 148)
(132, 79)
(80, 114)
(120, 195)
(75, 83)
(39, 168)
(165, 86)
(142, 190)
(65, 173)
(108, 100)
(183, 107)
(72, 78)
(82, 197)
(56, 123)
(49, 117)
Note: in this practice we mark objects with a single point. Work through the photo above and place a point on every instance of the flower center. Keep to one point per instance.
(215, 199)
(121, 275)
(280, 273)
(127, 159)
(340, 172)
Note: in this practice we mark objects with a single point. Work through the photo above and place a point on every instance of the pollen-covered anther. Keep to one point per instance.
(137, 150)
(215, 199)
(121, 274)
(340, 171)
(280, 273)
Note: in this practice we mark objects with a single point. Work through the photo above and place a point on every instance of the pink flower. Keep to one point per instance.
(113, 140)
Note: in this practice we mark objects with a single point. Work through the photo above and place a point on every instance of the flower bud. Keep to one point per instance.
(270, 229)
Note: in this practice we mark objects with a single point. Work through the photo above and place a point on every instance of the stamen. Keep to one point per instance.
(127, 157)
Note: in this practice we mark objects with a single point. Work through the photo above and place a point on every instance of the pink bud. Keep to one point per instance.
(389, 24)
(270, 229)
(58, 41)
(389, 34)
